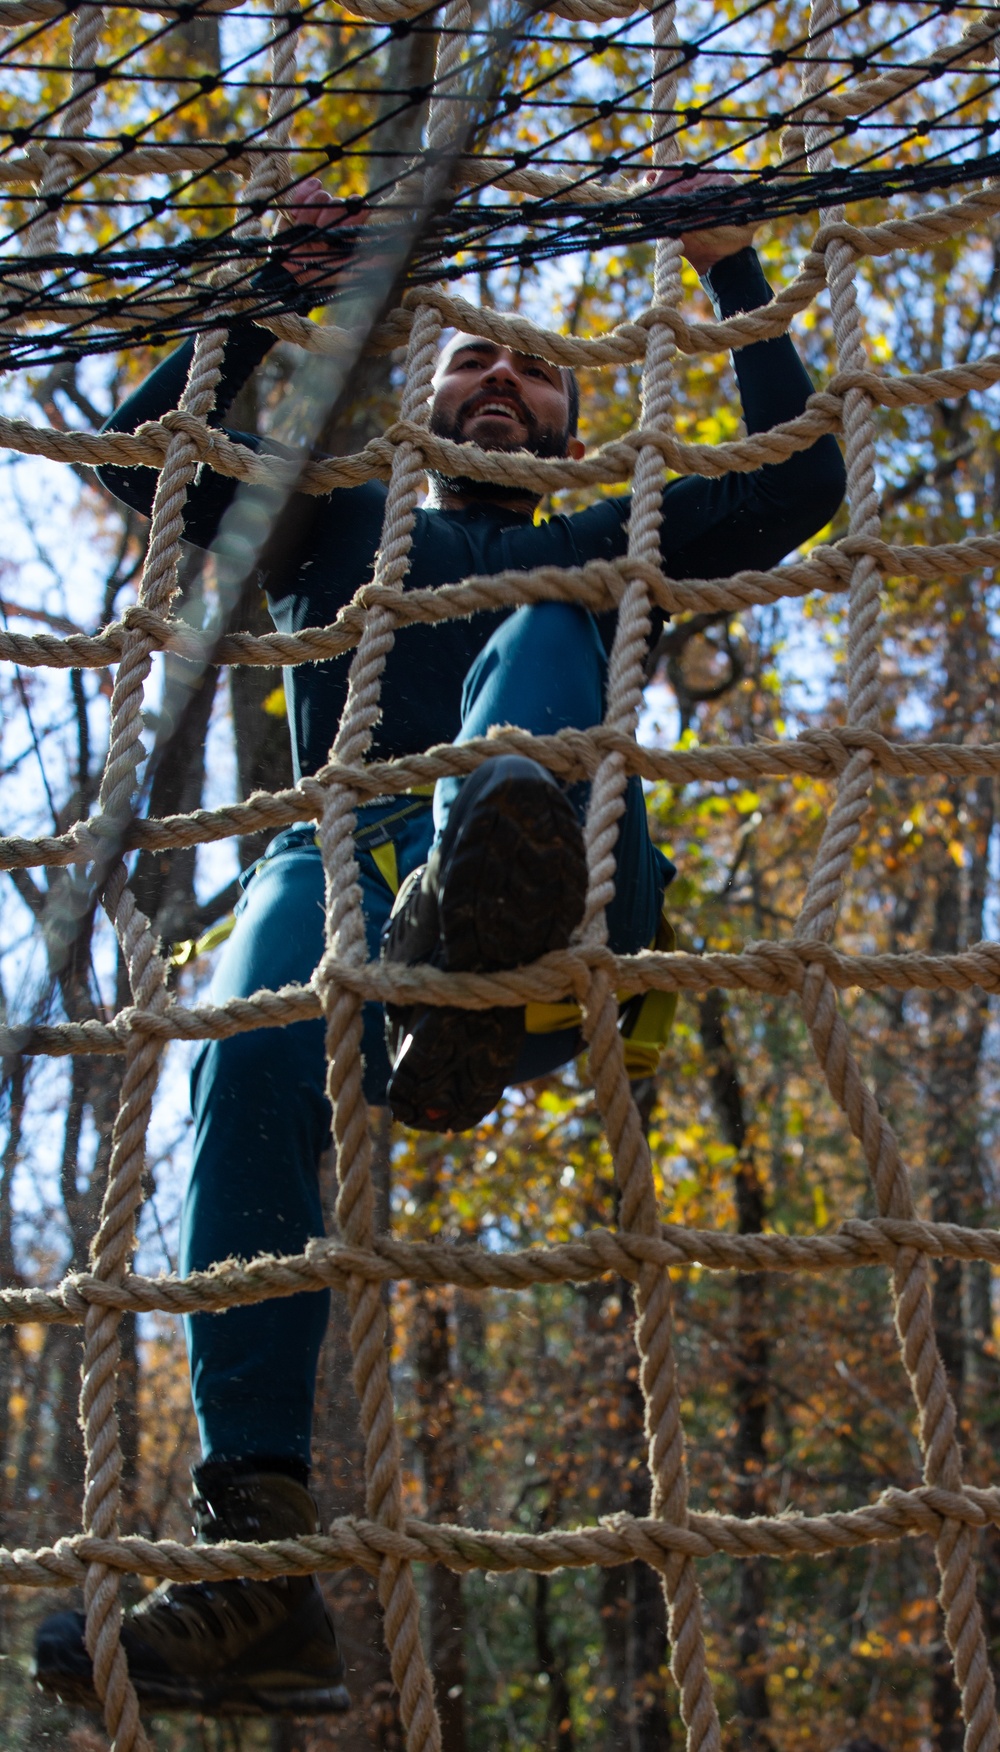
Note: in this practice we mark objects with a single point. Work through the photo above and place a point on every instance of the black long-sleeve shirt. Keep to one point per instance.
(711, 528)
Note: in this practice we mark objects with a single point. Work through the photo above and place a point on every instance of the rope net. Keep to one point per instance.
(853, 110)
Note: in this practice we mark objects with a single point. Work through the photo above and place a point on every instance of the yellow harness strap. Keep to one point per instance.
(645, 1027)
(182, 953)
(383, 856)
(384, 859)
(552, 1018)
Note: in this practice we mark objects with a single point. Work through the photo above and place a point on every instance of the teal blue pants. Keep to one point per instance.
(261, 1115)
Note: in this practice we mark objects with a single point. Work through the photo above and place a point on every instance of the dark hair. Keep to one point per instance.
(572, 399)
(862, 1743)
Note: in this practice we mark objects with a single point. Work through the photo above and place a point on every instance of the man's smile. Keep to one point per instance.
(496, 407)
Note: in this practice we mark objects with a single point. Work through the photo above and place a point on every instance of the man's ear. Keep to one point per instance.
(574, 449)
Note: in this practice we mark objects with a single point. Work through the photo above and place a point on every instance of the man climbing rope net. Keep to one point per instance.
(487, 874)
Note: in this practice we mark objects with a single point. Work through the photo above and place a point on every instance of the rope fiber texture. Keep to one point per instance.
(807, 968)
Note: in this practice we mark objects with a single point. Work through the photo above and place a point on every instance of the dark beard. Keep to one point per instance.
(542, 441)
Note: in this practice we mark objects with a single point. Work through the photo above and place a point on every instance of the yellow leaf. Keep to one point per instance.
(821, 1215)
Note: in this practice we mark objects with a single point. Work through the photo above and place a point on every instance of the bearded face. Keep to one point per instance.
(499, 400)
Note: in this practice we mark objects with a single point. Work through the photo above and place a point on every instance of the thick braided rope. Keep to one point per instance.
(109, 1254)
(767, 967)
(147, 970)
(572, 755)
(598, 585)
(330, 1264)
(840, 834)
(620, 1538)
(58, 162)
(147, 974)
(628, 341)
(355, 1203)
(15, 12)
(346, 938)
(610, 463)
(633, 1169)
(977, 43)
(954, 1546)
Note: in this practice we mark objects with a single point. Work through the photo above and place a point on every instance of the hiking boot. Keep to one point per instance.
(507, 883)
(220, 1648)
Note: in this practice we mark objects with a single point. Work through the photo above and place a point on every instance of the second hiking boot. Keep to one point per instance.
(506, 884)
(221, 1648)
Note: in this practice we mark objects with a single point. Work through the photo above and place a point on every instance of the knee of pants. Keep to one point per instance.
(550, 626)
(545, 662)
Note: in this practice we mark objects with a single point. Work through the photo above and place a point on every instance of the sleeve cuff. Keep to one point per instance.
(737, 284)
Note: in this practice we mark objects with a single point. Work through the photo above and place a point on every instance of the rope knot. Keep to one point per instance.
(648, 437)
(85, 837)
(831, 744)
(155, 434)
(661, 316)
(871, 382)
(632, 569)
(775, 967)
(592, 969)
(97, 831)
(829, 401)
(137, 618)
(179, 423)
(400, 432)
(72, 1292)
(834, 561)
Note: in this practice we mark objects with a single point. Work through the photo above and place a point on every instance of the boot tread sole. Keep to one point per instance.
(514, 887)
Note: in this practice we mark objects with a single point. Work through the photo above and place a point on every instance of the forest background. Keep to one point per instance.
(524, 1409)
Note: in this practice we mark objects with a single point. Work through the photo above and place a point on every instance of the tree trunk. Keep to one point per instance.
(634, 1620)
(553, 1668)
(10, 1347)
(750, 1381)
(958, 1022)
(647, 1649)
(637, 1716)
(954, 1160)
(633, 1607)
(437, 1441)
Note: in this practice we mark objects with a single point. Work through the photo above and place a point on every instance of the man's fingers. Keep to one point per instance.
(308, 192)
(712, 241)
(308, 203)
(320, 251)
